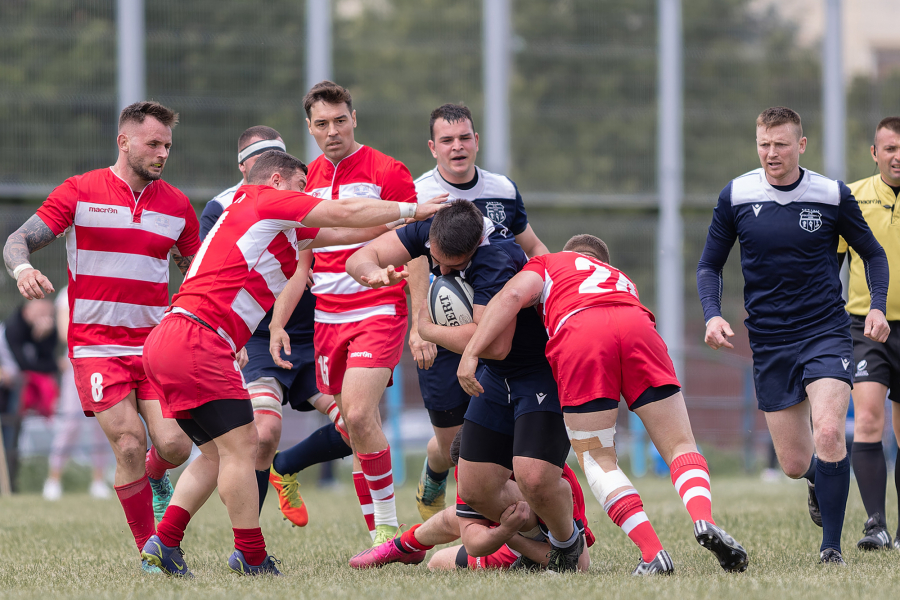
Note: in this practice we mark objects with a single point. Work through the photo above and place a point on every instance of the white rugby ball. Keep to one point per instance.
(450, 301)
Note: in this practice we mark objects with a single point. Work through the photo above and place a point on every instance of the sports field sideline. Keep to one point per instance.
(79, 548)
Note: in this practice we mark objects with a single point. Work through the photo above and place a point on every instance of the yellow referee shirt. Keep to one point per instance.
(877, 202)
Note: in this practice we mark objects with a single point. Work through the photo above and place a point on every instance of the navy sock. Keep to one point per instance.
(434, 474)
(832, 489)
(322, 445)
(810, 474)
(262, 483)
(871, 475)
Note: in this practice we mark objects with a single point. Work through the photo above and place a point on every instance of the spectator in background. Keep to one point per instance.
(67, 424)
(28, 364)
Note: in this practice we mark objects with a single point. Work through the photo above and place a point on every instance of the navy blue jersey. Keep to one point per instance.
(494, 263)
(789, 240)
(496, 196)
(300, 326)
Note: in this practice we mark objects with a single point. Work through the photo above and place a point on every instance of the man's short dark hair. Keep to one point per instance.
(891, 123)
(779, 115)
(457, 230)
(257, 131)
(328, 92)
(139, 111)
(455, 444)
(588, 244)
(452, 113)
(274, 161)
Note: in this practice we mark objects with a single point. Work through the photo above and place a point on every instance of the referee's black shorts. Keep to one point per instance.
(875, 361)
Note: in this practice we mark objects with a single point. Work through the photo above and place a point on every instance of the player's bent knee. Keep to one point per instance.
(444, 560)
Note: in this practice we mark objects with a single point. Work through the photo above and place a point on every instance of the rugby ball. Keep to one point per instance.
(450, 301)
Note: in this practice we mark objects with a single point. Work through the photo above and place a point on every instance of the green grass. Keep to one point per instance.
(81, 548)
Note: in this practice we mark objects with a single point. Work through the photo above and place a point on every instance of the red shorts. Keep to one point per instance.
(376, 342)
(103, 382)
(189, 365)
(608, 352)
(501, 559)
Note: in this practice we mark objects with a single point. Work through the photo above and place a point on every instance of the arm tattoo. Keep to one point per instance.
(534, 299)
(29, 238)
(183, 262)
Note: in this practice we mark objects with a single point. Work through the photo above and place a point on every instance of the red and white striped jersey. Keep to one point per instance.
(117, 247)
(246, 260)
(367, 173)
(574, 282)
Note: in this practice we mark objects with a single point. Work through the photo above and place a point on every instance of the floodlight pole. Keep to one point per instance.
(132, 60)
(318, 56)
(834, 101)
(496, 60)
(670, 182)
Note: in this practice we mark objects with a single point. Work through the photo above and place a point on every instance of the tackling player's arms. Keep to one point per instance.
(30, 237)
(182, 262)
(522, 291)
(284, 307)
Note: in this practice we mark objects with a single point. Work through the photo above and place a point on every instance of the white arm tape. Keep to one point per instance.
(407, 210)
(18, 270)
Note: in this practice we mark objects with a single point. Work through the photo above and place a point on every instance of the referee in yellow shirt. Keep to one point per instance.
(877, 365)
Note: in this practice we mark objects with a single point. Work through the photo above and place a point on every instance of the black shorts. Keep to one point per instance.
(876, 362)
(216, 418)
(541, 435)
(648, 396)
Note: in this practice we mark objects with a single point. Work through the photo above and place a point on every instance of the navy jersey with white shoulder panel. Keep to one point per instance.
(496, 196)
(789, 240)
(494, 263)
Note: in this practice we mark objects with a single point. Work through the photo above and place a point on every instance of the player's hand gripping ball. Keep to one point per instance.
(450, 301)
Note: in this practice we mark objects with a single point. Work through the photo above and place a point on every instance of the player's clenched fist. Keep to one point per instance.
(33, 284)
(877, 327)
(717, 333)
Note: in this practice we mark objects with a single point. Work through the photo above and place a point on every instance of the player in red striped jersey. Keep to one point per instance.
(604, 345)
(245, 262)
(121, 224)
(359, 331)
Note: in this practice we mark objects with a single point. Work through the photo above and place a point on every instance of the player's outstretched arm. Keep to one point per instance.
(182, 262)
(522, 290)
(423, 351)
(366, 212)
(284, 307)
(717, 333)
(369, 265)
(29, 238)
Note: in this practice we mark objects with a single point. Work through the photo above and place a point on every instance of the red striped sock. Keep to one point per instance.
(171, 529)
(137, 502)
(156, 465)
(251, 543)
(690, 476)
(628, 513)
(376, 467)
(409, 543)
(365, 501)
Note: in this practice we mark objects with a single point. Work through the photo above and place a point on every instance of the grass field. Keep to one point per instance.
(81, 548)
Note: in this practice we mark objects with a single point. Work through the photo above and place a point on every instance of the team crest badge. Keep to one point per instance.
(495, 212)
(162, 222)
(810, 219)
(364, 191)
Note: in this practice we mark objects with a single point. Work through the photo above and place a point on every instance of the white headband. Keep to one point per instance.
(260, 147)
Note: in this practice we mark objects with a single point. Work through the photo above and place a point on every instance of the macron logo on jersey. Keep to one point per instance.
(756, 209)
(110, 210)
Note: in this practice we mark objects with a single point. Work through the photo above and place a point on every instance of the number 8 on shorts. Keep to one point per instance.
(97, 387)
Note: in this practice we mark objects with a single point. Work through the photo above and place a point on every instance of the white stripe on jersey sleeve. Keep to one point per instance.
(258, 237)
(248, 309)
(105, 351)
(121, 266)
(336, 283)
(116, 314)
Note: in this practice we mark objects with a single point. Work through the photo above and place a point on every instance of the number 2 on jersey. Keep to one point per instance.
(601, 274)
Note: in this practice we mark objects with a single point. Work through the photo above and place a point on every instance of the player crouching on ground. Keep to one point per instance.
(243, 264)
(598, 326)
(518, 425)
(486, 544)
